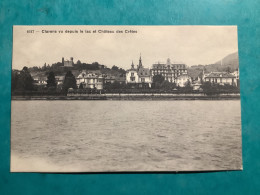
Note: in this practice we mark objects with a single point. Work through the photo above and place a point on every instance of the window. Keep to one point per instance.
(132, 78)
(132, 74)
(142, 80)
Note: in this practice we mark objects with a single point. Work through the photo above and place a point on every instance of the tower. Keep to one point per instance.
(132, 65)
(168, 63)
(62, 61)
(140, 62)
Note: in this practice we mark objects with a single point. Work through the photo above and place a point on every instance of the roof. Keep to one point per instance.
(144, 72)
(219, 75)
(175, 66)
(120, 78)
(108, 77)
(39, 78)
(159, 65)
(132, 69)
(60, 77)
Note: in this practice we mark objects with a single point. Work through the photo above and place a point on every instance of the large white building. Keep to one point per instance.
(90, 80)
(172, 72)
(139, 76)
(169, 71)
(220, 78)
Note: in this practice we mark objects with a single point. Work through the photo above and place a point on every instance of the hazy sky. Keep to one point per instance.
(188, 44)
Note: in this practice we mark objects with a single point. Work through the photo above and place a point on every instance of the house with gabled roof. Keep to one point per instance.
(90, 80)
(139, 76)
(220, 78)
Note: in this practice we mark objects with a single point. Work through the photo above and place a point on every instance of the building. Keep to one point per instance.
(120, 79)
(220, 78)
(139, 77)
(236, 74)
(67, 63)
(90, 80)
(40, 80)
(196, 86)
(169, 71)
(183, 80)
(59, 80)
(109, 79)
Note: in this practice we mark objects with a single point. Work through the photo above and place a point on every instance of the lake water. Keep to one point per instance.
(90, 136)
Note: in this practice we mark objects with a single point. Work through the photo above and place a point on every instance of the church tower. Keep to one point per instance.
(140, 62)
(132, 65)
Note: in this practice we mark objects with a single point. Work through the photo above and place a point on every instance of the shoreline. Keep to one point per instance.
(140, 97)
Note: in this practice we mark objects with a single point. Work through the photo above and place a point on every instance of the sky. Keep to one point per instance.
(192, 45)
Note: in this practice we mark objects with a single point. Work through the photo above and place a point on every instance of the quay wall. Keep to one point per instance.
(137, 96)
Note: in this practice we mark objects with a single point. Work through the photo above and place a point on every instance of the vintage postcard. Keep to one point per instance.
(125, 99)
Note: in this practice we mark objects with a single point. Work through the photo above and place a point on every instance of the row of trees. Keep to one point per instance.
(23, 82)
(214, 88)
(69, 81)
(58, 68)
(159, 84)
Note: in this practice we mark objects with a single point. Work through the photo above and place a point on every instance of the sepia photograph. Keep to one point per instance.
(125, 99)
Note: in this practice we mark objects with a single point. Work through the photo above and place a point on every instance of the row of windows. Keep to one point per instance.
(167, 74)
(216, 80)
(173, 68)
(169, 71)
(92, 80)
(133, 79)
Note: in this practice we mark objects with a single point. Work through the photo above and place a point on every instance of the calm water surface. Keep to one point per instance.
(125, 135)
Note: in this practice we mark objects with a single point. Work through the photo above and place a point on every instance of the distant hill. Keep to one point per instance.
(230, 60)
(228, 63)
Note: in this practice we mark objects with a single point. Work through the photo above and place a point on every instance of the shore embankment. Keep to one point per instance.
(137, 96)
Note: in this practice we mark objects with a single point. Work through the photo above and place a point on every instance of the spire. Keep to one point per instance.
(168, 62)
(140, 61)
(132, 65)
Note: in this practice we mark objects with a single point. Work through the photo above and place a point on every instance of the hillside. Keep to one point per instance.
(230, 60)
(229, 63)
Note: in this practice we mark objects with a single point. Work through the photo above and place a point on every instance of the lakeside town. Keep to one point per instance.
(69, 78)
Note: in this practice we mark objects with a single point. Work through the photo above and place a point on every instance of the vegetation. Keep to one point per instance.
(69, 81)
(157, 81)
(213, 88)
(51, 82)
(22, 81)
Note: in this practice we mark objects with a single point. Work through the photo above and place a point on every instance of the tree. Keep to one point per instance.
(115, 85)
(81, 86)
(51, 82)
(115, 68)
(157, 81)
(44, 67)
(78, 62)
(206, 86)
(15, 78)
(228, 69)
(188, 86)
(69, 81)
(166, 85)
(25, 80)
